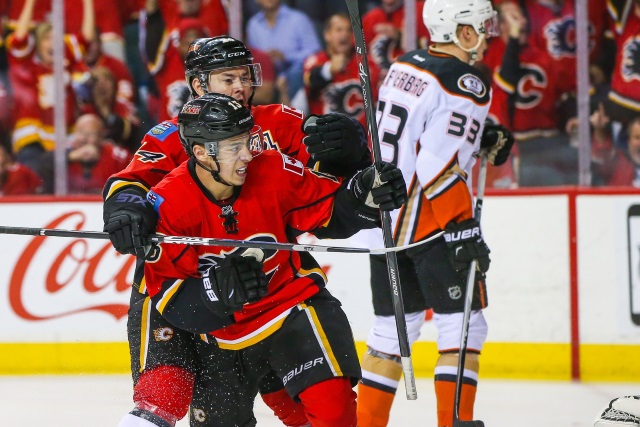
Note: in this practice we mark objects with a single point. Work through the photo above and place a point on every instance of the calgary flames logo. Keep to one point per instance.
(630, 68)
(561, 37)
(344, 97)
(177, 95)
(211, 260)
(163, 334)
(383, 51)
(531, 86)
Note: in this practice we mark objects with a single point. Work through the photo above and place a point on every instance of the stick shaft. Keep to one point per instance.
(392, 261)
(468, 299)
(207, 241)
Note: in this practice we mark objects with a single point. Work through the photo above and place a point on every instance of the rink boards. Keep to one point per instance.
(564, 288)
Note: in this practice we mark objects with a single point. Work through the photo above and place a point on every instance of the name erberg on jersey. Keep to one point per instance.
(406, 82)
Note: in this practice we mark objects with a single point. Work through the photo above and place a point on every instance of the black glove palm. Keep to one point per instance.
(497, 141)
(386, 191)
(129, 219)
(235, 281)
(465, 244)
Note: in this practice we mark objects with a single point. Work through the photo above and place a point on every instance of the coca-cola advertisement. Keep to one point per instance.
(58, 288)
(63, 289)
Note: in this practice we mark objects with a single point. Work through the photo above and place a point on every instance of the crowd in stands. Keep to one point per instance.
(124, 73)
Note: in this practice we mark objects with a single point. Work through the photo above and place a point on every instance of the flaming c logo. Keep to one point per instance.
(40, 276)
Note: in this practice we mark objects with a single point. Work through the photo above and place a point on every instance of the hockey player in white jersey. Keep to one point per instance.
(431, 111)
(620, 412)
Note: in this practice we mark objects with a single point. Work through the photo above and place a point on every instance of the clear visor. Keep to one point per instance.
(492, 26)
(246, 75)
(230, 150)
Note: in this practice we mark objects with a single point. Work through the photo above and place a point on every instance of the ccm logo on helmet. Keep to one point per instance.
(232, 54)
(462, 235)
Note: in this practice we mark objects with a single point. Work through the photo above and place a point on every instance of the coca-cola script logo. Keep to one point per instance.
(55, 277)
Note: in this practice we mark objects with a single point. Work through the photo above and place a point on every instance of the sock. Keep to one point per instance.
(165, 391)
(445, 385)
(289, 412)
(330, 403)
(380, 376)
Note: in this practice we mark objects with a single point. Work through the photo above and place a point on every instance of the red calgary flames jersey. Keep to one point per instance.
(625, 90)
(161, 150)
(554, 31)
(91, 178)
(33, 86)
(536, 92)
(382, 49)
(278, 196)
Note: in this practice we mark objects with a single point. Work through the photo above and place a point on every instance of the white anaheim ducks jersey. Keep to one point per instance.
(431, 113)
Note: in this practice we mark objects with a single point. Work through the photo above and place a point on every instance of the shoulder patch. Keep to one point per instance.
(293, 111)
(149, 156)
(292, 165)
(472, 84)
(155, 199)
(162, 130)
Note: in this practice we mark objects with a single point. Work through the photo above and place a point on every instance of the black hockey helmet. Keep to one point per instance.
(214, 53)
(211, 118)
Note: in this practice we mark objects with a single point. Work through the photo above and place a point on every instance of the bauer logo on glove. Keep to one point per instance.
(465, 244)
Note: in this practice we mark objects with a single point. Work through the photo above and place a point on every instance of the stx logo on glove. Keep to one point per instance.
(462, 235)
(130, 198)
(207, 286)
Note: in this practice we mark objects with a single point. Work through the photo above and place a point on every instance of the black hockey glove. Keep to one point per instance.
(235, 281)
(129, 219)
(338, 140)
(465, 244)
(386, 191)
(496, 141)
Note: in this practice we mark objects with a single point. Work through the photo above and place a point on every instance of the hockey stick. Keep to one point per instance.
(392, 261)
(210, 241)
(468, 299)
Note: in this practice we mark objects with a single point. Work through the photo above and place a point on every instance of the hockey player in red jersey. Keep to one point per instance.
(261, 304)
(160, 353)
(432, 105)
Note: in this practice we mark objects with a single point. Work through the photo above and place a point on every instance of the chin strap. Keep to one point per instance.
(473, 52)
(215, 174)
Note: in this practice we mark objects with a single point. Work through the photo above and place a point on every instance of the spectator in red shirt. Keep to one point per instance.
(612, 165)
(93, 158)
(624, 97)
(95, 57)
(383, 28)
(331, 77)
(166, 44)
(15, 178)
(32, 81)
(265, 94)
(119, 117)
(110, 16)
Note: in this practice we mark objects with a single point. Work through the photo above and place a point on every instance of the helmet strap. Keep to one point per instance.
(203, 78)
(250, 100)
(473, 52)
(215, 174)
